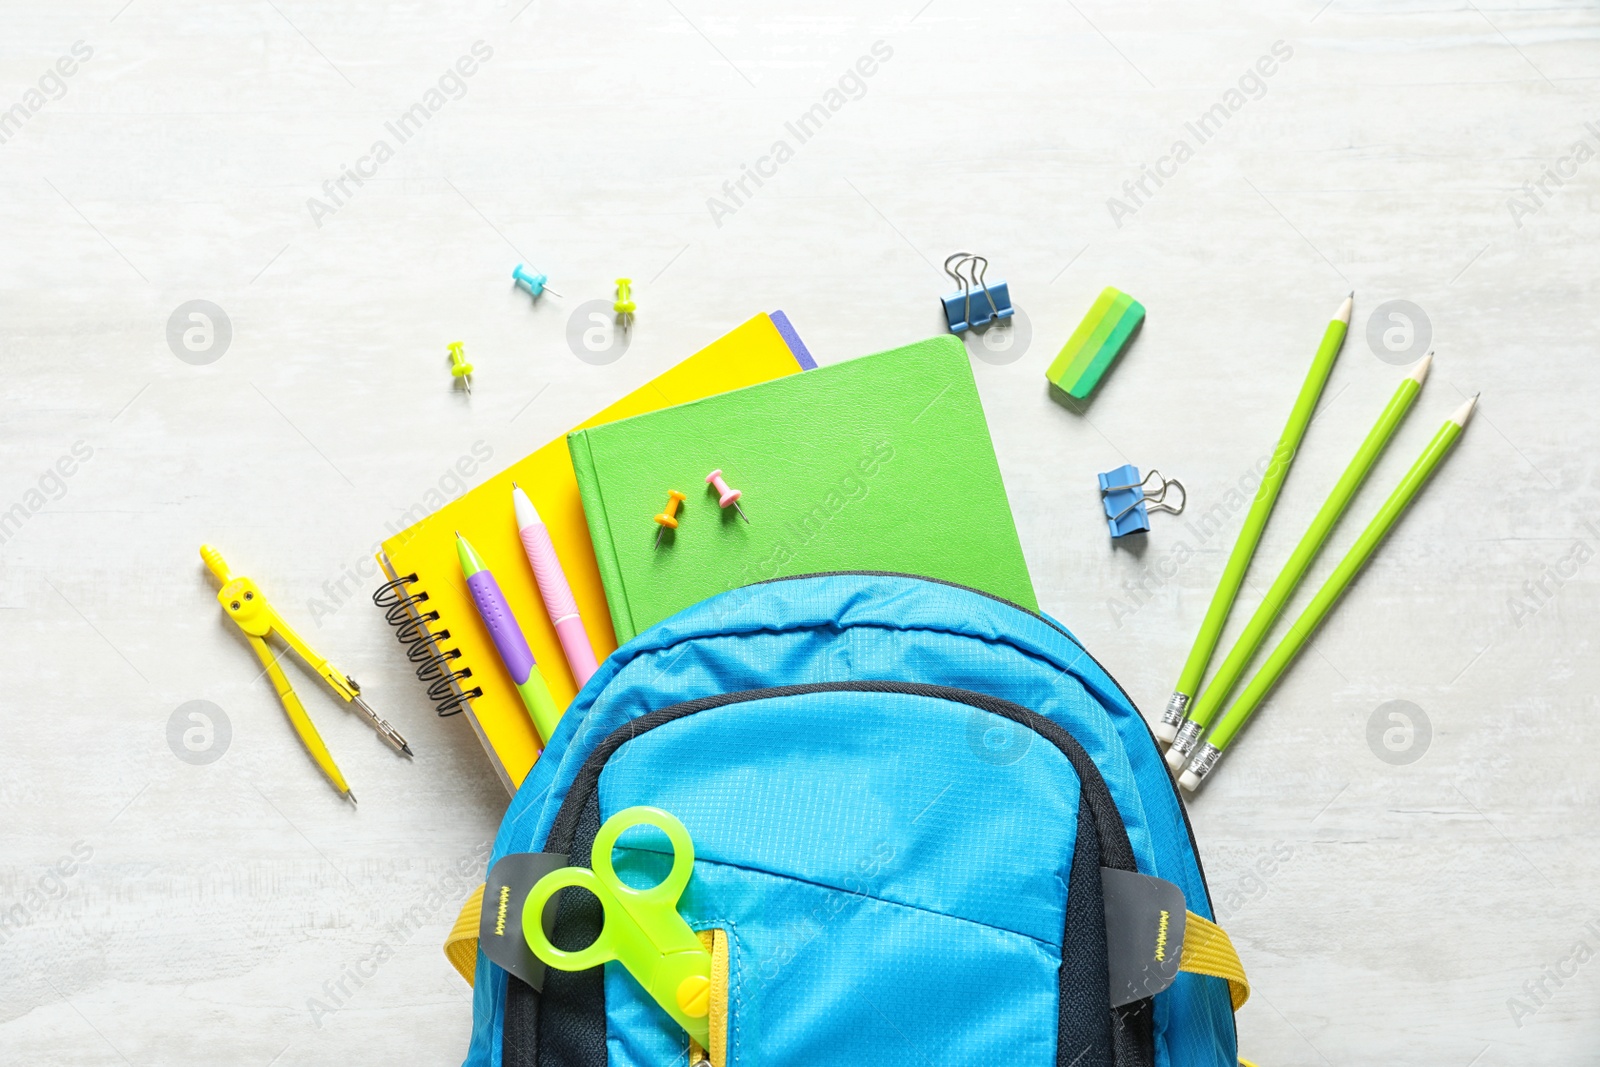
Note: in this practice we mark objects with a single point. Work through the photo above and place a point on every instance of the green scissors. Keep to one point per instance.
(643, 930)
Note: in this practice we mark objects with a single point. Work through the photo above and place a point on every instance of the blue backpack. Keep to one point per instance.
(902, 796)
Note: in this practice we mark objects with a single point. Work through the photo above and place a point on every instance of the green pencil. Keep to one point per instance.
(1255, 520)
(1210, 700)
(1316, 611)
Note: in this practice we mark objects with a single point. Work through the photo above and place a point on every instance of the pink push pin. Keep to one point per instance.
(728, 496)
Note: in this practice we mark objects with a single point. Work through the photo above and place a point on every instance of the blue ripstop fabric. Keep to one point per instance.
(877, 882)
(867, 767)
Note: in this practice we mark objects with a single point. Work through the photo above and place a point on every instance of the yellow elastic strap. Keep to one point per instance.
(1207, 950)
(461, 946)
(716, 943)
(719, 998)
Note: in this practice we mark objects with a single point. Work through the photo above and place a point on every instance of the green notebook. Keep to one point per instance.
(880, 464)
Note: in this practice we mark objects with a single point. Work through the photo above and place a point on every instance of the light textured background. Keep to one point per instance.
(1387, 912)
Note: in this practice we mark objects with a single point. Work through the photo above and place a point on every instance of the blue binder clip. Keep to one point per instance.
(1128, 500)
(978, 303)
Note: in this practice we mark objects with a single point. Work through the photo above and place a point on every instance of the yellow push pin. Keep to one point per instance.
(624, 305)
(459, 367)
(668, 519)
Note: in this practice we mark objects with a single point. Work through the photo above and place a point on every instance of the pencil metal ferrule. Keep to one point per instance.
(1202, 764)
(1188, 737)
(1166, 728)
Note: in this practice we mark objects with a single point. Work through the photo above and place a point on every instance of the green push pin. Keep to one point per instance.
(624, 305)
(459, 367)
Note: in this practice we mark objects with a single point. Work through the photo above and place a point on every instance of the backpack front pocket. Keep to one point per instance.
(906, 890)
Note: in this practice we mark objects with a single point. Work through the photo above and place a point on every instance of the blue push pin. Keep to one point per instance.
(533, 283)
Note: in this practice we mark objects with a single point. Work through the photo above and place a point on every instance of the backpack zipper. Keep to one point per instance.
(1183, 809)
(715, 1054)
(1117, 850)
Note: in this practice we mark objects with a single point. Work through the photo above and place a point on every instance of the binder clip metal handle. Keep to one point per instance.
(958, 310)
(1129, 499)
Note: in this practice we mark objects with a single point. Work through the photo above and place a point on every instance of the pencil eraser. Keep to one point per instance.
(1099, 339)
(1189, 780)
(1164, 732)
(1176, 759)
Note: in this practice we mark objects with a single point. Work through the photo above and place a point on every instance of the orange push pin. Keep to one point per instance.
(668, 520)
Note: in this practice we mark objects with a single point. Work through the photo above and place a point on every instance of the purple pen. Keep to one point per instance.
(508, 641)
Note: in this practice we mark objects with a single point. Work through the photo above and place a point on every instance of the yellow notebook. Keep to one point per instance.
(427, 599)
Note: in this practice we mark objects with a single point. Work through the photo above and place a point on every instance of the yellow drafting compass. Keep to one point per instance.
(246, 605)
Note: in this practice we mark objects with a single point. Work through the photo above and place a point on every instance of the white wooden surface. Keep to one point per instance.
(1400, 913)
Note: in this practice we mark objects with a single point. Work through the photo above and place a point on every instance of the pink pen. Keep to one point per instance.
(553, 588)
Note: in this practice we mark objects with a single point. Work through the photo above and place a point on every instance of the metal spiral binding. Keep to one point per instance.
(444, 689)
(424, 650)
(388, 594)
(433, 669)
(415, 630)
(423, 646)
(401, 611)
(456, 703)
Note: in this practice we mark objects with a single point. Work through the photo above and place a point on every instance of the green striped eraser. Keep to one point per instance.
(1098, 340)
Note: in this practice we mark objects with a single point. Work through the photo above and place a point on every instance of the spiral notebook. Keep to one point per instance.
(426, 598)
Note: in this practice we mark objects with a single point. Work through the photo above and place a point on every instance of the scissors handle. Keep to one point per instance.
(640, 924)
(658, 898)
(643, 930)
(602, 950)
